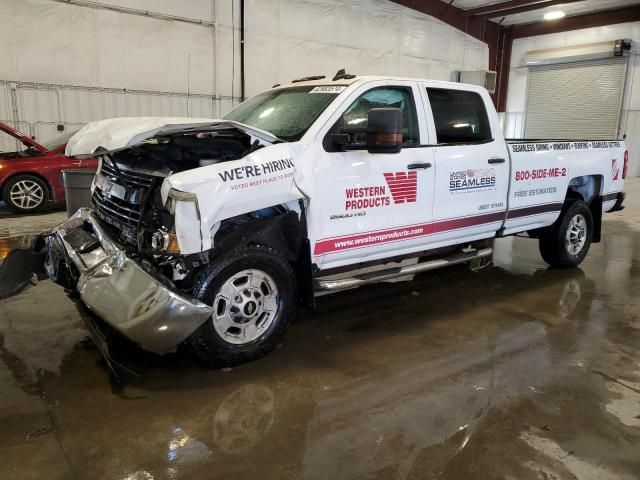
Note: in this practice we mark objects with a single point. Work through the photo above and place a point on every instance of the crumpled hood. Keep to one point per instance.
(119, 133)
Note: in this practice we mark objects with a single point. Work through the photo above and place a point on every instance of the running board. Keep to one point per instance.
(388, 274)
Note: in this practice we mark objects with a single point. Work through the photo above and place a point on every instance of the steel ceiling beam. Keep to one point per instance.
(578, 22)
(499, 38)
(529, 8)
(496, 7)
(479, 27)
(503, 68)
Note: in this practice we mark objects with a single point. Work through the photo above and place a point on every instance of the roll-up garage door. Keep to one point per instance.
(575, 100)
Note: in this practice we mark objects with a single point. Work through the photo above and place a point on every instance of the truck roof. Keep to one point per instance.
(369, 78)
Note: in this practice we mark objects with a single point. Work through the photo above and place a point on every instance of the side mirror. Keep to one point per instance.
(382, 135)
(384, 130)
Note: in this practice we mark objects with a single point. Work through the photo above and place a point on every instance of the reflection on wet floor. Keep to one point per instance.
(17, 235)
(20, 265)
(11, 243)
(514, 371)
(17, 231)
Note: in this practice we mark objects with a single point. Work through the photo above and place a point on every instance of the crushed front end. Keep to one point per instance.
(129, 295)
(161, 195)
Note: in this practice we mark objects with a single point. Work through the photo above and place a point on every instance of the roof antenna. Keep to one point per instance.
(341, 74)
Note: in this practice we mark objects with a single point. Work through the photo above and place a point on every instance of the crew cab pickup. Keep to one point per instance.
(209, 232)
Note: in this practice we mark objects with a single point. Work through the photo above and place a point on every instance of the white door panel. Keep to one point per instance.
(367, 204)
(470, 192)
(371, 204)
(472, 165)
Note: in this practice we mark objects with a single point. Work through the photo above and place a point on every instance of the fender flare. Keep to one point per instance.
(286, 233)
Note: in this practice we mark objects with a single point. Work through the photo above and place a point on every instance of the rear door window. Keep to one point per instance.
(460, 116)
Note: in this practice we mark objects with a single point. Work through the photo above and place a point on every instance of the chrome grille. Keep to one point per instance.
(132, 179)
(124, 215)
(121, 210)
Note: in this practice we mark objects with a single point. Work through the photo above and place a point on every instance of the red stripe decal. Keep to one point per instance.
(348, 242)
(384, 236)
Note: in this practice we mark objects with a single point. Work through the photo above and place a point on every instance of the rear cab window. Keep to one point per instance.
(460, 116)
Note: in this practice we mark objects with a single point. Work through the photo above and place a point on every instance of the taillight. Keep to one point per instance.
(626, 164)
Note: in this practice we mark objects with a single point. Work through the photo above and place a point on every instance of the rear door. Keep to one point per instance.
(364, 206)
(471, 163)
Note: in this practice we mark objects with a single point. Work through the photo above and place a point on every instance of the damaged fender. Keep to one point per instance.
(261, 179)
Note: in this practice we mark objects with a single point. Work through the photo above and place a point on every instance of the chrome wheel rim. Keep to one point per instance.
(576, 234)
(245, 307)
(26, 194)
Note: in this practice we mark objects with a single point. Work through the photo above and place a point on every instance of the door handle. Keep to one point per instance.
(495, 160)
(415, 166)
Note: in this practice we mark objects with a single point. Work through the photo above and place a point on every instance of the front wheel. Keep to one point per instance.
(567, 241)
(252, 293)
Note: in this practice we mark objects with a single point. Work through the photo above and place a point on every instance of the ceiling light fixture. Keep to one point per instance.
(554, 15)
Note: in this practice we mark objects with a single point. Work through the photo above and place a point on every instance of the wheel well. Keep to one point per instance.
(276, 227)
(281, 230)
(589, 189)
(585, 188)
(37, 175)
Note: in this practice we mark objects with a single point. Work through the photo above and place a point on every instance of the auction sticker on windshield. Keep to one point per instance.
(328, 89)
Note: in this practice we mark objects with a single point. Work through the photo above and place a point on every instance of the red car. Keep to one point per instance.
(31, 177)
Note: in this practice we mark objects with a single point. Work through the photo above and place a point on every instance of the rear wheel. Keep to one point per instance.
(567, 241)
(26, 193)
(252, 293)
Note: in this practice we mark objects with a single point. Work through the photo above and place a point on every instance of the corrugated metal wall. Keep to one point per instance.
(38, 109)
(111, 58)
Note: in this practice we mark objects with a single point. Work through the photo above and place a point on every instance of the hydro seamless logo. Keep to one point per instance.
(403, 187)
(472, 179)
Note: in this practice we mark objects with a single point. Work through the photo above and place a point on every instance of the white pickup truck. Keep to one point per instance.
(209, 232)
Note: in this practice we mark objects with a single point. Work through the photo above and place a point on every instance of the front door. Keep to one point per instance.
(366, 205)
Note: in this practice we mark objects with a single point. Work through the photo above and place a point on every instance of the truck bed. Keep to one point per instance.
(543, 169)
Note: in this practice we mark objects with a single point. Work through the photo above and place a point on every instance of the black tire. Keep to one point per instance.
(34, 201)
(554, 246)
(208, 343)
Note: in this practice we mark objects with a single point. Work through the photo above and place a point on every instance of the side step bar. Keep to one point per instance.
(372, 277)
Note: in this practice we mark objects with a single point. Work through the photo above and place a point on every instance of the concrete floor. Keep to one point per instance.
(513, 372)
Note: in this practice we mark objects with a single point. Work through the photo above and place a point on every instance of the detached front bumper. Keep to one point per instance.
(117, 288)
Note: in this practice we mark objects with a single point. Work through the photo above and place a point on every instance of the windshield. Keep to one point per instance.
(286, 113)
(59, 140)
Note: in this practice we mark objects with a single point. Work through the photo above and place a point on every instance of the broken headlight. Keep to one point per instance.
(164, 239)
